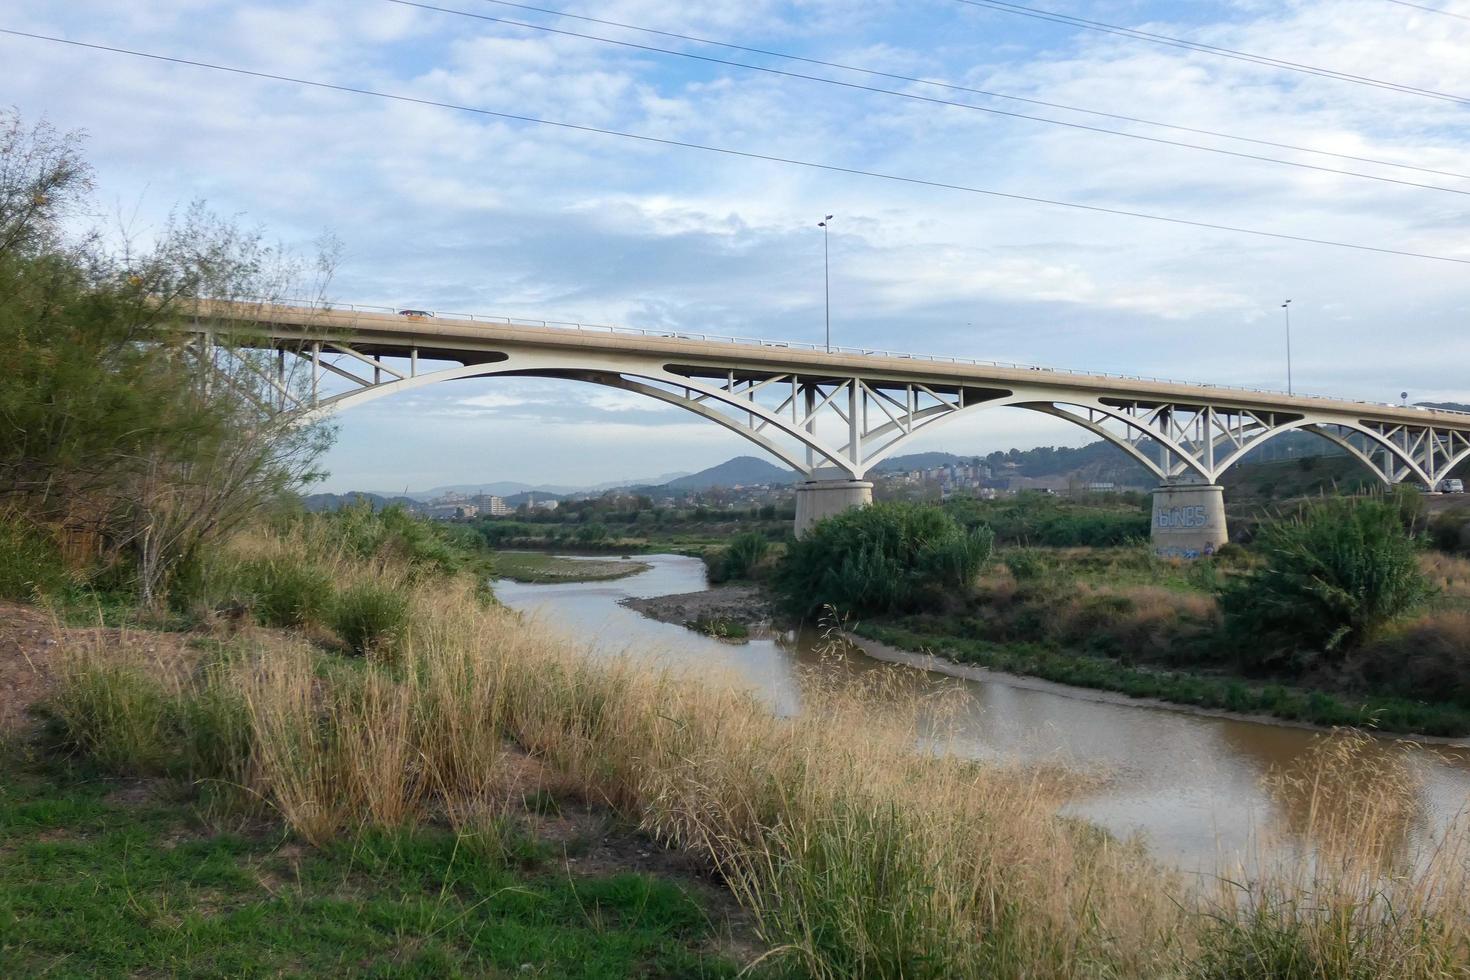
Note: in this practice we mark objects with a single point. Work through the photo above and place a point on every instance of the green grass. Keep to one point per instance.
(1230, 694)
(534, 566)
(719, 627)
(1116, 567)
(92, 884)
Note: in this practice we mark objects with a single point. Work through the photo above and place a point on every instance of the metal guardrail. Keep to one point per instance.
(823, 349)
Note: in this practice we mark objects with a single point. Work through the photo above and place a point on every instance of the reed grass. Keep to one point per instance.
(857, 854)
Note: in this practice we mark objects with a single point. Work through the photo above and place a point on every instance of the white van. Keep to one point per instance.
(1454, 486)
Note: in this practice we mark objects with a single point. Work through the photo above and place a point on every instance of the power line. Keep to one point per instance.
(1430, 10)
(931, 100)
(1210, 49)
(951, 86)
(730, 151)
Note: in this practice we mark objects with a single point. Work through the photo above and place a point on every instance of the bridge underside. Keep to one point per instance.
(834, 426)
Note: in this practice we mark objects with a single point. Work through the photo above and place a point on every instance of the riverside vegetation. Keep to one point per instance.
(407, 764)
(1337, 613)
(355, 762)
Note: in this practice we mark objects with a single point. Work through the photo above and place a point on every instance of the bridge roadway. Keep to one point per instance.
(833, 415)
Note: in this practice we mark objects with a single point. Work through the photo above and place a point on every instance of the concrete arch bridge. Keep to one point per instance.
(833, 415)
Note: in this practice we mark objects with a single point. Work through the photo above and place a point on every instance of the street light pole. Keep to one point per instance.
(827, 279)
(1287, 307)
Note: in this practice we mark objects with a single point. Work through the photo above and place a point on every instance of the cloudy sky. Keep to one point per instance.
(453, 210)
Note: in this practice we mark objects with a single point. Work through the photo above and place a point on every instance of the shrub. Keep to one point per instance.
(1450, 530)
(592, 533)
(1026, 564)
(1037, 519)
(287, 591)
(883, 558)
(30, 562)
(116, 714)
(395, 535)
(370, 617)
(744, 552)
(1333, 575)
(1427, 658)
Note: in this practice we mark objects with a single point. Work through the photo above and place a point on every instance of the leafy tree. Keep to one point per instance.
(883, 558)
(1335, 573)
(592, 533)
(130, 441)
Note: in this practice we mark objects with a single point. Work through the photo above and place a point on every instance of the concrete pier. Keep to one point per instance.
(1188, 520)
(817, 499)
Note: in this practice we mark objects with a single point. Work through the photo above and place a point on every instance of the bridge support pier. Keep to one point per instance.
(816, 499)
(1188, 520)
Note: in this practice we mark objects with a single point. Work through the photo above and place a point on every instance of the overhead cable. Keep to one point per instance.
(955, 87)
(931, 100)
(1430, 10)
(732, 152)
(1210, 49)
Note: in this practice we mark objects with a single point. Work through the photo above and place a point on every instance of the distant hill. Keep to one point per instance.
(740, 471)
(1286, 479)
(918, 461)
(1100, 462)
(317, 502)
(516, 499)
(501, 488)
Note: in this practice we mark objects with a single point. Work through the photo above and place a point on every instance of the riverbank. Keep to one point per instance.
(1136, 669)
(137, 838)
(1235, 696)
(537, 566)
(174, 875)
(923, 658)
(849, 852)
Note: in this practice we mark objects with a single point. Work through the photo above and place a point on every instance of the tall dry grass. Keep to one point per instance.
(857, 855)
(1362, 901)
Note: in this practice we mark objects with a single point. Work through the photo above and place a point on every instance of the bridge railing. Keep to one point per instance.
(822, 348)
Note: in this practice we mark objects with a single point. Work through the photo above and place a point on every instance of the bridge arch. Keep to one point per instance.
(1340, 434)
(1130, 431)
(637, 378)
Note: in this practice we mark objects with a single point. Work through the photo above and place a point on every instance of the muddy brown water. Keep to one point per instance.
(1190, 785)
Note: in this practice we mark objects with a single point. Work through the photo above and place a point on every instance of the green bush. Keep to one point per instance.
(1040, 519)
(394, 534)
(1426, 658)
(883, 558)
(30, 562)
(1026, 564)
(592, 533)
(1332, 576)
(287, 592)
(744, 552)
(117, 715)
(370, 618)
(1450, 530)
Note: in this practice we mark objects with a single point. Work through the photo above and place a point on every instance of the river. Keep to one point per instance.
(1190, 785)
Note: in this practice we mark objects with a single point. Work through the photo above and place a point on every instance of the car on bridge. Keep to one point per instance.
(416, 314)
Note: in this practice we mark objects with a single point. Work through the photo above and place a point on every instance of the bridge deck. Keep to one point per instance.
(462, 339)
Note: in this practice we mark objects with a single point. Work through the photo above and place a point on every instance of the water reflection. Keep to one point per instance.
(1193, 786)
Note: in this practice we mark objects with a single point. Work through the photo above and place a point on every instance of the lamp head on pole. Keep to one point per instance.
(823, 223)
(1286, 304)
